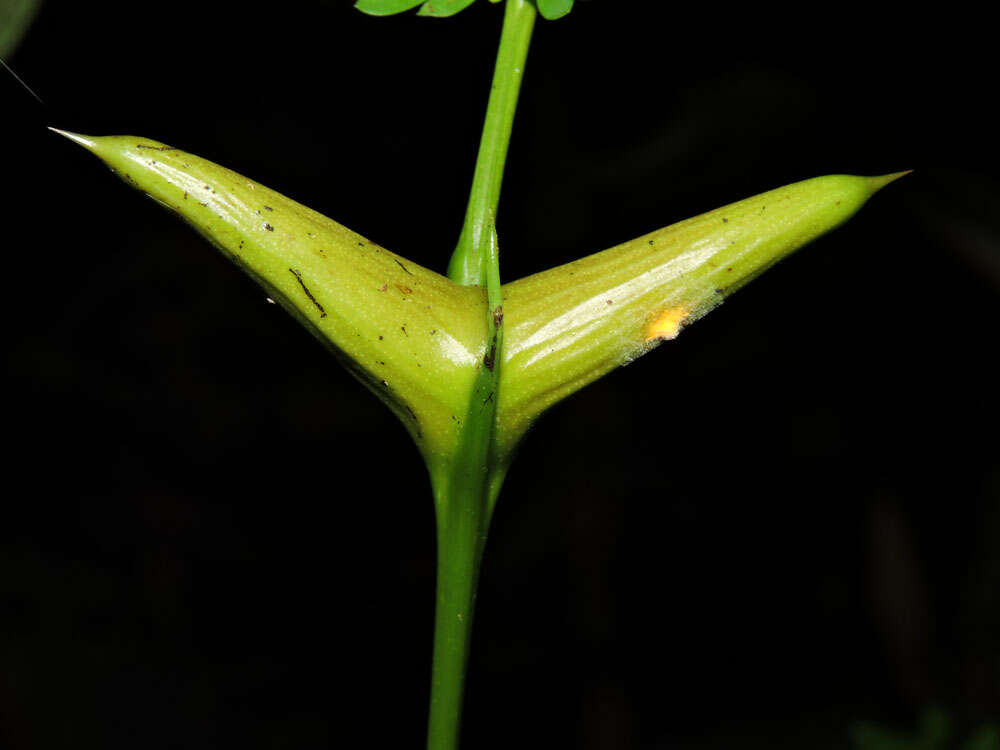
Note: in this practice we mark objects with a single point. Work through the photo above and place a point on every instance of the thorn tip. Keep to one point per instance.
(880, 182)
(82, 140)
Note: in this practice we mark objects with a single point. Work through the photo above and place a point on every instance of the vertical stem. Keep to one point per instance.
(467, 486)
(464, 494)
(468, 262)
(461, 538)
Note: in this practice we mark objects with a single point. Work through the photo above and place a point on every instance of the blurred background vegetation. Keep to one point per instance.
(778, 531)
(15, 19)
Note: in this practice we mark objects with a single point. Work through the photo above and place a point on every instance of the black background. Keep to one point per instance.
(779, 524)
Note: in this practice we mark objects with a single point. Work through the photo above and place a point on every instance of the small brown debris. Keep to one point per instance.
(305, 289)
(489, 360)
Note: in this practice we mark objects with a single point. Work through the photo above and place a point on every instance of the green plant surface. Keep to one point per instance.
(423, 343)
(553, 9)
(386, 7)
(433, 8)
(465, 362)
(408, 334)
(570, 325)
(550, 9)
(466, 492)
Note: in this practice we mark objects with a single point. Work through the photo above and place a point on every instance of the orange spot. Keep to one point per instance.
(666, 325)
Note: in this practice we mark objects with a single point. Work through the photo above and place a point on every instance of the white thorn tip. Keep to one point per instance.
(75, 137)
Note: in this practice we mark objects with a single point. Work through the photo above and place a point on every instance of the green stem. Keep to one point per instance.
(464, 496)
(461, 538)
(467, 486)
(468, 262)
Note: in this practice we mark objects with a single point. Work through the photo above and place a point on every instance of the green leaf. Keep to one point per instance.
(386, 7)
(553, 9)
(550, 9)
(15, 19)
(413, 337)
(443, 8)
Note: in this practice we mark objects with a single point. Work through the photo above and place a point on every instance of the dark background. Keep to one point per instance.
(780, 524)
